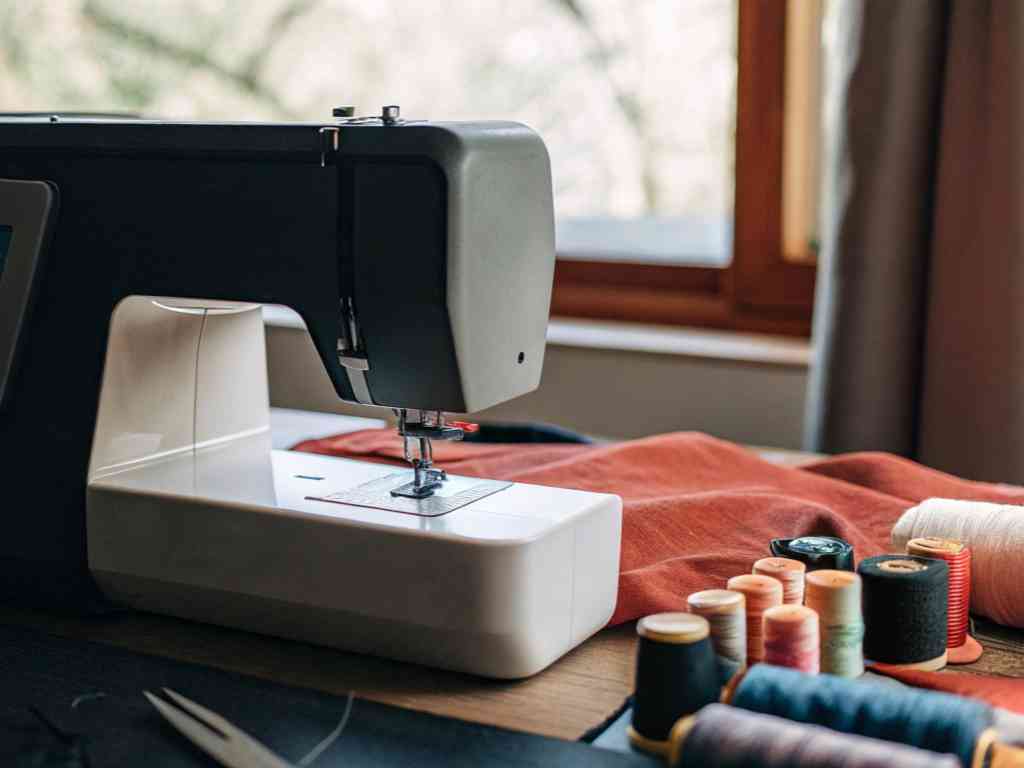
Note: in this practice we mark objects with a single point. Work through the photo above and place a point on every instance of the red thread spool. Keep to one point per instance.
(958, 556)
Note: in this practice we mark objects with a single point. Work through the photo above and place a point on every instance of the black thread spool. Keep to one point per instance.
(905, 604)
(816, 552)
(676, 675)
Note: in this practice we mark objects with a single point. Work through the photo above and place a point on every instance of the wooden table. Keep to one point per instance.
(573, 695)
(578, 692)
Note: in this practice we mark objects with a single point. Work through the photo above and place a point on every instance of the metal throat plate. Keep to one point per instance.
(456, 492)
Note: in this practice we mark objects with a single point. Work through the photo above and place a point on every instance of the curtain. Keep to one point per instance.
(919, 312)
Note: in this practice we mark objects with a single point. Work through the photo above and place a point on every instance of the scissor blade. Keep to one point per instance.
(243, 748)
(201, 713)
(205, 738)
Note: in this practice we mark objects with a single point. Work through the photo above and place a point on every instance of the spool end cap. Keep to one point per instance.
(968, 653)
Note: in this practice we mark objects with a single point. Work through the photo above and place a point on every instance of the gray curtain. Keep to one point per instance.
(919, 318)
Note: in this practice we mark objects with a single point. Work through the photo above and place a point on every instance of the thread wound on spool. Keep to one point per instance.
(1006, 756)
(726, 612)
(995, 535)
(836, 597)
(761, 593)
(676, 674)
(732, 738)
(790, 572)
(791, 638)
(958, 557)
(939, 722)
(904, 604)
(680, 628)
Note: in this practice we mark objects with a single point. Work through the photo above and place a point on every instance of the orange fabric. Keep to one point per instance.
(698, 510)
(1005, 692)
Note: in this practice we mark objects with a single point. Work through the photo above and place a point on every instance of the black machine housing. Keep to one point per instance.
(360, 228)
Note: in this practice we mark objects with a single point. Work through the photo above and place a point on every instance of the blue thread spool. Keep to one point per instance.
(938, 722)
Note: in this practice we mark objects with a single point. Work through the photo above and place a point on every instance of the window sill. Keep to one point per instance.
(733, 346)
(608, 335)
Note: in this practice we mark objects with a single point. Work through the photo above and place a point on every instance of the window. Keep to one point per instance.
(768, 284)
(664, 118)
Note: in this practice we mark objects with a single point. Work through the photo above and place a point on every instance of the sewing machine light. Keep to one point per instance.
(204, 306)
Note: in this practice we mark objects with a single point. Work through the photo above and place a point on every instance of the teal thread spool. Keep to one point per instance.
(938, 722)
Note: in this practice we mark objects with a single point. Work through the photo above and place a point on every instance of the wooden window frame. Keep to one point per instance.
(760, 290)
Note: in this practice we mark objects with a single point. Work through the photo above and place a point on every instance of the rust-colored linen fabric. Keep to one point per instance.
(1005, 692)
(698, 510)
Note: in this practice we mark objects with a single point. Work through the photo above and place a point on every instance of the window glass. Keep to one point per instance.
(635, 98)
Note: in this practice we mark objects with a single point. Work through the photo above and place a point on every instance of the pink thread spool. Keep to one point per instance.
(791, 638)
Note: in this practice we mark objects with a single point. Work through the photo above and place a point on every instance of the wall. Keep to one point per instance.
(610, 392)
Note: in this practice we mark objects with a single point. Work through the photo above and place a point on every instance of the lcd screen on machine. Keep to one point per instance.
(5, 241)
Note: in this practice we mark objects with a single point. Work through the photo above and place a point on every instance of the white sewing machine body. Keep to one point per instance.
(224, 529)
(134, 256)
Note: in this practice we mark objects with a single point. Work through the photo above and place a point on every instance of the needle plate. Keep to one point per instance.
(456, 492)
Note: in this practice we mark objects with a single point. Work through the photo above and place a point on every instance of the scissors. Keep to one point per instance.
(226, 743)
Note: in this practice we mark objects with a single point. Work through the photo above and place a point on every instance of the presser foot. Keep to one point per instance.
(425, 481)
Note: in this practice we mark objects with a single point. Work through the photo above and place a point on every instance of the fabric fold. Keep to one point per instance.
(698, 510)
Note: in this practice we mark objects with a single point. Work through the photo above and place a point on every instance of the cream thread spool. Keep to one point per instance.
(761, 593)
(836, 597)
(790, 572)
(726, 612)
(791, 638)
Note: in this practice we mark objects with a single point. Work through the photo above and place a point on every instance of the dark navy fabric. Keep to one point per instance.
(71, 703)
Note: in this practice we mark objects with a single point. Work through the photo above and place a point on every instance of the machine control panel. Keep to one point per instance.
(25, 208)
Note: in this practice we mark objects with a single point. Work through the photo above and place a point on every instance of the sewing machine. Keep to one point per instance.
(137, 465)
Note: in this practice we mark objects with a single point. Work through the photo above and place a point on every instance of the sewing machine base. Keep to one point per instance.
(234, 534)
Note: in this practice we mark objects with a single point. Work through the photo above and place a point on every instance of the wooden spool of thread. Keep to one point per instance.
(791, 638)
(904, 604)
(961, 647)
(676, 675)
(761, 593)
(728, 737)
(1005, 756)
(995, 534)
(726, 613)
(836, 597)
(938, 722)
(789, 572)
